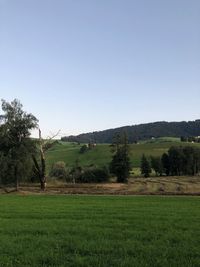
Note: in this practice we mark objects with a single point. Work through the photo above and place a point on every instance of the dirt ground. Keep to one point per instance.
(135, 186)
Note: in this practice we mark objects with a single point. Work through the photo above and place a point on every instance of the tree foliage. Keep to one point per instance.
(59, 170)
(156, 165)
(141, 132)
(165, 163)
(184, 160)
(120, 164)
(16, 146)
(93, 175)
(145, 166)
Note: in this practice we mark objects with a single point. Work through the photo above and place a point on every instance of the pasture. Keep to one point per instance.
(101, 155)
(99, 231)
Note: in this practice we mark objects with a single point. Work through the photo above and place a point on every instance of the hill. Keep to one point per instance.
(101, 154)
(141, 132)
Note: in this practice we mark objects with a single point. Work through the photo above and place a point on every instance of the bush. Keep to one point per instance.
(94, 175)
(156, 165)
(145, 166)
(75, 173)
(83, 149)
(59, 170)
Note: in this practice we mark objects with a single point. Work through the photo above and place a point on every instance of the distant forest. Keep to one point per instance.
(139, 132)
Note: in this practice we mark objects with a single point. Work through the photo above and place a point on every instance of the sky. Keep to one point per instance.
(86, 65)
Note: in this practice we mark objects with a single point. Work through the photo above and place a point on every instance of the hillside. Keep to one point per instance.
(141, 132)
(101, 155)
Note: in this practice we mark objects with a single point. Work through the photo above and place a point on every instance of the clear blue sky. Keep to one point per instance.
(84, 65)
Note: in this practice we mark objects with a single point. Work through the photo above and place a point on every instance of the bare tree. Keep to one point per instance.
(40, 163)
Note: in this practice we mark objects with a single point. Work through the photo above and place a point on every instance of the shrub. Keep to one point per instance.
(145, 166)
(59, 170)
(94, 175)
(156, 165)
(75, 173)
(83, 149)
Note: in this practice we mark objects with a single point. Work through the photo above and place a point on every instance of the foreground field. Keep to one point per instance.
(99, 231)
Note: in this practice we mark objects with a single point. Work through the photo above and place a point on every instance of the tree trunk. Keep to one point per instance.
(43, 184)
(43, 170)
(40, 172)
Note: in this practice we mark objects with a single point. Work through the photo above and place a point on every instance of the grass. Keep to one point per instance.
(176, 185)
(99, 231)
(101, 155)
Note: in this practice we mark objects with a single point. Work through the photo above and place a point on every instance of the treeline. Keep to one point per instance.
(178, 161)
(141, 132)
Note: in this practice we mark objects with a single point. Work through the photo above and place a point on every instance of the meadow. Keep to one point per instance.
(99, 231)
(101, 155)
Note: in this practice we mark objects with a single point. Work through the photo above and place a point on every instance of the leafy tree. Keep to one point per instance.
(145, 166)
(83, 149)
(165, 163)
(181, 161)
(16, 146)
(5, 176)
(189, 164)
(120, 164)
(176, 160)
(184, 139)
(76, 172)
(156, 165)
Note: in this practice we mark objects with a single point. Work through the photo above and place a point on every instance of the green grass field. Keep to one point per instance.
(101, 155)
(99, 231)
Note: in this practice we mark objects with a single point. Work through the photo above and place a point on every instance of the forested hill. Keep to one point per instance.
(141, 132)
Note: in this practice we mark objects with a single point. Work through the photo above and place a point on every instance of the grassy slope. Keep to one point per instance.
(99, 231)
(101, 155)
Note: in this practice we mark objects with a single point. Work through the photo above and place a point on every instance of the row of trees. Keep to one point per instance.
(178, 161)
(141, 132)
